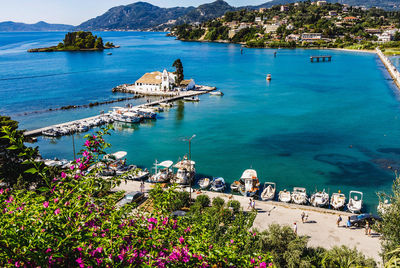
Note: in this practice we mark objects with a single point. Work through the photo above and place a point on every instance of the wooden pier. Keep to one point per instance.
(320, 58)
(200, 90)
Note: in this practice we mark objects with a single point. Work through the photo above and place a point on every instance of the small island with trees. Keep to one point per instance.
(78, 41)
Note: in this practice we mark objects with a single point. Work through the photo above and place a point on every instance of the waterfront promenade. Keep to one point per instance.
(200, 90)
(320, 226)
(394, 73)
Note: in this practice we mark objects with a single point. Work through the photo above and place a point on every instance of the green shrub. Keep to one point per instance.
(235, 205)
(203, 200)
(218, 202)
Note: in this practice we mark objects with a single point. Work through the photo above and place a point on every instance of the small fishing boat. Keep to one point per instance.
(218, 185)
(166, 104)
(299, 195)
(268, 77)
(193, 98)
(285, 196)
(109, 54)
(251, 183)
(185, 173)
(216, 93)
(141, 175)
(383, 206)
(338, 200)
(269, 191)
(355, 201)
(319, 199)
(204, 183)
(163, 174)
(236, 185)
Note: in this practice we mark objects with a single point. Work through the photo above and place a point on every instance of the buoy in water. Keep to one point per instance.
(269, 77)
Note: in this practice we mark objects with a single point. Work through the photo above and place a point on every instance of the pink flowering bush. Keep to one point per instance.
(69, 223)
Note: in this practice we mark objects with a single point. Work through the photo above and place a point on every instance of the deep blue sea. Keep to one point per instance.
(318, 125)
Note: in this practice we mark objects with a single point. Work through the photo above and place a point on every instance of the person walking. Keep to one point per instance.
(250, 204)
(348, 225)
(303, 215)
(339, 220)
(295, 228)
(254, 204)
(142, 186)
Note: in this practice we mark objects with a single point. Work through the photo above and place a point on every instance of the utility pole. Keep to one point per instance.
(189, 140)
(73, 145)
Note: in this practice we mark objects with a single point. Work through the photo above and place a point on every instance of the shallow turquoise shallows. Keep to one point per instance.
(317, 125)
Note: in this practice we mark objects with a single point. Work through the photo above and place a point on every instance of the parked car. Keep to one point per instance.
(130, 198)
(362, 219)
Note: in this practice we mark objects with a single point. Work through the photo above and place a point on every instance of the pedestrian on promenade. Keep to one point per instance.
(348, 225)
(142, 186)
(339, 220)
(295, 228)
(254, 204)
(250, 204)
(303, 215)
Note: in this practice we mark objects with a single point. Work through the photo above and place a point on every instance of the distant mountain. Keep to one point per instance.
(141, 16)
(137, 16)
(41, 26)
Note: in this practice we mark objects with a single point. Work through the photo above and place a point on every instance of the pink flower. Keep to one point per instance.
(57, 211)
(181, 239)
(55, 200)
(252, 261)
(79, 249)
(17, 264)
(63, 175)
(48, 250)
(1, 191)
(263, 265)
(187, 230)
(150, 227)
(232, 241)
(10, 199)
(78, 160)
(45, 204)
(87, 143)
(80, 262)
(72, 167)
(66, 204)
(81, 166)
(85, 153)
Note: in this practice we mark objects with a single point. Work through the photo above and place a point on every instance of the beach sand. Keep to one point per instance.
(320, 227)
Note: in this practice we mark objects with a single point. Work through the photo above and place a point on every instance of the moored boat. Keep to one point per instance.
(204, 183)
(218, 185)
(338, 200)
(164, 174)
(383, 206)
(319, 199)
(269, 191)
(251, 183)
(285, 196)
(185, 173)
(299, 196)
(216, 93)
(355, 201)
(236, 185)
(193, 98)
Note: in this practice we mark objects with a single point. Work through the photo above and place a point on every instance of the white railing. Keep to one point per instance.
(389, 65)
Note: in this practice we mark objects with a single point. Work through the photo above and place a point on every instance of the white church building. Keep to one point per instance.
(157, 82)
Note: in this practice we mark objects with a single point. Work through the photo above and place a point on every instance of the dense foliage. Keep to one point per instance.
(178, 71)
(81, 40)
(349, 26)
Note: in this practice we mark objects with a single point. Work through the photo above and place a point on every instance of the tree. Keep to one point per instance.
(12, 157)
(390, 225)
(99, 43)
(396, 36)
(178, 71)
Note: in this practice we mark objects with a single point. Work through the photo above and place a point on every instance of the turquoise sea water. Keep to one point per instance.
(323, 125)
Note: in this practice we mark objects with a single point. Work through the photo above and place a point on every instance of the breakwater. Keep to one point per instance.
(394, 73)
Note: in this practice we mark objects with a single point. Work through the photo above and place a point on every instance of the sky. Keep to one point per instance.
(77, 11)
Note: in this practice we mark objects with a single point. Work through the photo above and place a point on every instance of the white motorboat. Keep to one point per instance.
(127, 117)
(218, 185)
(285, 196)
(163, 174)
(236, 185)
(166, 104)
(319, 199)
(269, 191)
(204, 183)
(216, 93)
(383, 207)
(355, 201)
(193, 98)
(251, 183)
(185, 172)
(299, 196)
(141, 175)
(338, 200)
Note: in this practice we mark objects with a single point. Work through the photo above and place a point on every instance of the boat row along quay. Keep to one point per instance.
(131, 114)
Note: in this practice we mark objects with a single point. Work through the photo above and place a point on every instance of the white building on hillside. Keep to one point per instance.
(156, 82)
